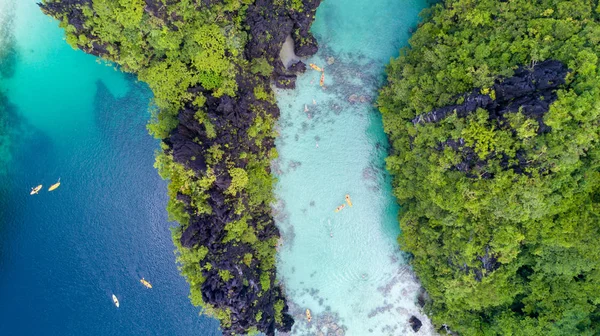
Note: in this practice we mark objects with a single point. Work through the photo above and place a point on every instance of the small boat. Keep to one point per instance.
(55, 185)
(348, 200)
(322, 81)
(115, 300)
(315, 67)
(308, 316)
(35, 190)
(146, 283)
(340, 208)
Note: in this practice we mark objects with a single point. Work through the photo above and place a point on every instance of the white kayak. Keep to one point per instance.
(115, 300)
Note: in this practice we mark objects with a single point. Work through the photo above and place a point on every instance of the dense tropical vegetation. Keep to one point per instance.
(209, 65)
(500, 210)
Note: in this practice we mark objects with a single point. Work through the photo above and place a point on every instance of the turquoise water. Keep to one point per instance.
(63, 254)
(345, 267)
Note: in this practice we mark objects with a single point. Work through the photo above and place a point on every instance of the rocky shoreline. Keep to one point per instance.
(223, 148)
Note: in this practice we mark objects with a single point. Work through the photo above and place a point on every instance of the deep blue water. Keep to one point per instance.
(63, 253)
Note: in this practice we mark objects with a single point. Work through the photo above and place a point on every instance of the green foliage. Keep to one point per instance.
(500, 251)
(239, 180)
(278, 306)
(265, 281)
(225, 275)
(260, 93)
(298, 5)
(261, 66)
(248, 259)
(203, 119)
(479, 134)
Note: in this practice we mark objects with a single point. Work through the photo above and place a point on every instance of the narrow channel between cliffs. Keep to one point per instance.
(346, 266)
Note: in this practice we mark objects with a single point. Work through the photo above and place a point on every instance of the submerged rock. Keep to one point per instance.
(415, 323)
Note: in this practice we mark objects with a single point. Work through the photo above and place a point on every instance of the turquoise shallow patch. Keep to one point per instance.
(345, 267)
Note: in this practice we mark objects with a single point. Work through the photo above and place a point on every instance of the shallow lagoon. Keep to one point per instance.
(345, 267)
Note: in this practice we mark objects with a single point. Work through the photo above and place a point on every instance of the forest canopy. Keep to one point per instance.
(496, 166)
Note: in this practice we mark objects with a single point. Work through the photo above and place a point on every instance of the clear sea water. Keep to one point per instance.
(63, 253)
(345, 267)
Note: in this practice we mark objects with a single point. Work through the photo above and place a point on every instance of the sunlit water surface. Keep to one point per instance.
(345, 267)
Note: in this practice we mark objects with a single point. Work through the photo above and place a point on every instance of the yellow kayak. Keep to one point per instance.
(348, 200)
(54, 186)
(322, 81)
(146, 283)
(340, 208)
(315, 67)
(35, 190)
(308, 316)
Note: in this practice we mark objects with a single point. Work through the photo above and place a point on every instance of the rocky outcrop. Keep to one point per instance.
(531, 89)
(232, 117)
(415, 323)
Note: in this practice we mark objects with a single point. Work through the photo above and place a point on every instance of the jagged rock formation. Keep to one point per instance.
(531, 90)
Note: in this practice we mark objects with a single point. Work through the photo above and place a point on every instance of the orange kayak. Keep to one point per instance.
(340, 208)
(348, 200)
(308, 316)
(315, 67)
(322, 82)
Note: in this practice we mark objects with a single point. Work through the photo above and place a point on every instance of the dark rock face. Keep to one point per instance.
(298, 67)
(531, 89)
(71, 8)
(231, 118)
(270, 25)
(184, 149)
(415, 323)
(286, 81)
(305, 44)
